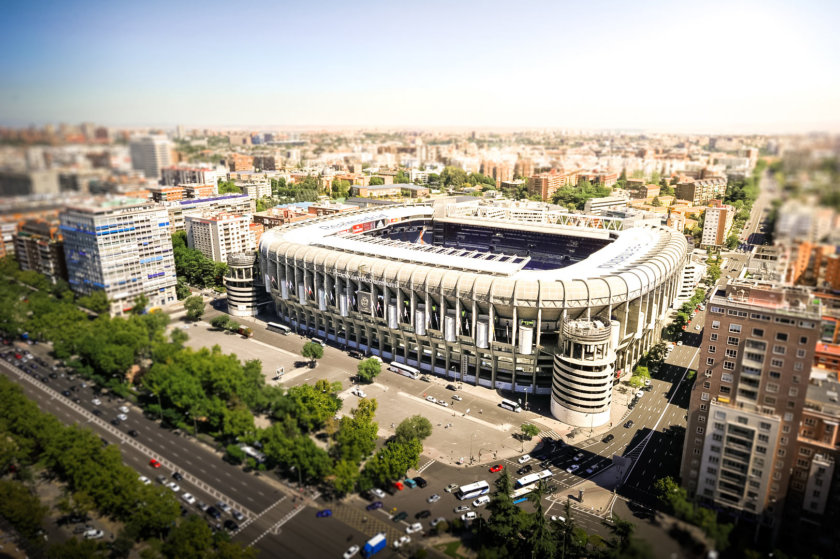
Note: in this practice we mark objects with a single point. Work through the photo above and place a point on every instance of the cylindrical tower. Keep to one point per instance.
(581, 388)
(242, 281)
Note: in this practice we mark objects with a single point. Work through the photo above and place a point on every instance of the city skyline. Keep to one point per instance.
(747, 68)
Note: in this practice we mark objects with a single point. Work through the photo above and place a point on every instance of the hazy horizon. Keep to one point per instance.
(658, 67)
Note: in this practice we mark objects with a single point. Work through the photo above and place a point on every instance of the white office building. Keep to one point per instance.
(220, 235)
(123, 248)
(150, 154)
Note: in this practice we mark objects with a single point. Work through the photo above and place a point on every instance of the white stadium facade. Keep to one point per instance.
(525, 299)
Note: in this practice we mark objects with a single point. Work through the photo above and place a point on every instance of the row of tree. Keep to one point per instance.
(95, 479)
(195, 268)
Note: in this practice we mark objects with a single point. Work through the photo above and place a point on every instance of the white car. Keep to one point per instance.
(592, 469)
(578, 456)
(144, 480)
(122, 417)
(433, 499)
(462, 508)
(647, 382)
(697, 327)
(525, 458)
(377, 492)
(436, 521)
(442, 403)
(224, 507)
(555, 518)
(431, 399)
(451, 487)
(456, 397)
(94, 534)
(416, 527)
(573, 468)
(481, 501)
(188, 498)
(96, 402)
(359, 392)
(174, 486)
(123, 409)
(679, 342)
(469, 516)
(404, 540)
(639, 393)
(351, 552)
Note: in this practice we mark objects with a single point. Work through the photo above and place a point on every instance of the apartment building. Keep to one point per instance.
(716, 224)
(174, 176)
(168, 193)
(123, 247)
(217, 236)
(748, 397)
(546, 184)
(700, 191)
(200, 190)
(240, 162)
(598, 206)
(256, 190)
(230, 203)
(40, 248)
(275, 217)
(150, 154)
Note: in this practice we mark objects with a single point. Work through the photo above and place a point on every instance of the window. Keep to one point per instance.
(777, 363)
(712, 349)
(732, 340)
(758, 332)
(709, 372)
(781, 337)
(714, 459)
(793, 392)
(715, 324)
(707, 384)
(770, 401)
(703, 407)
(783, 441)
(700, 430)
(772, 387)
(701, 418)
(712, 471)
(797, 366)
(704, 396)
(781, 453)
(710, 361)
(743, 420)
(713, 337)
(729, 365)
(803, 340)
(725, 389)
(732, 353)
(775, 374)
(761, 449)
(779, 349)
(800, 353)
(726, 377)
(764, 426)
(719, 426)
(735, 328)
(788, 416)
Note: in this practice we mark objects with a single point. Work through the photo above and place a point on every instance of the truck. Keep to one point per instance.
(374, 545)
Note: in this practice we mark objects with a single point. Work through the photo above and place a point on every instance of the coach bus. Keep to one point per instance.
(510, 405)
(404, 370)
(521, 495)
(531, 479)
(274, 327)
(473, 490)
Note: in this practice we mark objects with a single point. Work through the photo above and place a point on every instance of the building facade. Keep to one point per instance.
(716, 225)
(40, 248)
(748, 397)
(124, 249)
(230, 203)
(219, 235)
(174, 176)
(150, 154)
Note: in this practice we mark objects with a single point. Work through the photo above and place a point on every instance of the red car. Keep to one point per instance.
(399, 485)
(154, 463)
(496, 468)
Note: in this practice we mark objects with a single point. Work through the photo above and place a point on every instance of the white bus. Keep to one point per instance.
(510, 405)
(521, 495)
(473, 490)
(531, 479)
(404, 370)
(274, 327)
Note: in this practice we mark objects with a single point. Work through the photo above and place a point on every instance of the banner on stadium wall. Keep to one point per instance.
(364, 302)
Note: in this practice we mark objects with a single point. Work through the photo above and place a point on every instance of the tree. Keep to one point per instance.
(392, 461)
(414, 427)
(355, 436)
(182, 290)
(656, 202)
(228, 187)
(220, 321)
(340, 188)
(529, 431)
(140, 304)
(402, 178)
(345, 476)
(506, 519)
(376, 181)
(732, 241)
(453, 177)
(191, 539)
(368, 369)
(194, 306)
(97, 301)
(312, 351)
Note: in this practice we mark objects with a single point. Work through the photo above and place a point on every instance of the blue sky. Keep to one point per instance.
(682, 66)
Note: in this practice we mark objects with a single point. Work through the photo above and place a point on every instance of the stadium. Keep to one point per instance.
(513, 297)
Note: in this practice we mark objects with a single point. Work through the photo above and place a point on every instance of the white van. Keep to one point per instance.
(481, 501)
(319, 341)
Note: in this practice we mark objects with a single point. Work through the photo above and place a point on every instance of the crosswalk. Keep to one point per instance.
(548, 434)
(423, 468)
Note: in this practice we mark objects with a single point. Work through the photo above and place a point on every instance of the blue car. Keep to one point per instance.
(374, 505)
(410, 482)
(324, 513)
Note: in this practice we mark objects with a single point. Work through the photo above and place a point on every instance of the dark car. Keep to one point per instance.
(423, 514)
(356, 353)
(421, 483)
(96, 412)
(177, 476)
(400, 516)
(324, 513)
(628, 424)
(115, 422)
(214, 512)
(545, 464)
(133, 433)
(524, 470)
(608, 438)
(65, 393)
(231, 526)
(374, 505)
